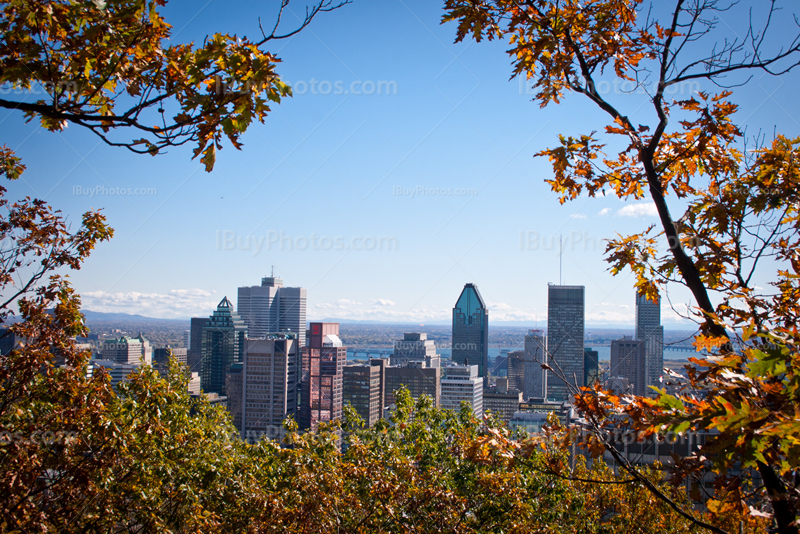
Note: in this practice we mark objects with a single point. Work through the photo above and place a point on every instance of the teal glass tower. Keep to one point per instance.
(471, 330)
(222, 345)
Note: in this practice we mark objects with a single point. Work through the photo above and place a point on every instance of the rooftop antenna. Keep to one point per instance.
(273, 271)
(560, 256)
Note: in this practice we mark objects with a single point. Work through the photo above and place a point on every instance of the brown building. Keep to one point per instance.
(363, 389)
(418, 378)
(502, 403)
(161, 356)
(322, 367)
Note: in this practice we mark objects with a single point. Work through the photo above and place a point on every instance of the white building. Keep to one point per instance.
(271, 308)
(462, 383)
(131, 350)
(415, 347)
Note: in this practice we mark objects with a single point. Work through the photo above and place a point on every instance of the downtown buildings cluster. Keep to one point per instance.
(261, 360)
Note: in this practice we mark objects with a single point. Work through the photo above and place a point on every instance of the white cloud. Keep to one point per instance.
(178, 303)
(500, 311)
(577, 216)
(382, 302)
(609, 317)
(341, 304)
(624, 306)
(605, 211)
(639, 209)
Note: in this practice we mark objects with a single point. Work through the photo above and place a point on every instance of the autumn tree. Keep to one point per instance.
(74, 454)
(742, 215)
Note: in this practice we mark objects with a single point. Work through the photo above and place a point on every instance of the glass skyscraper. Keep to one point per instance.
(222, 344)
(565, 321)
(471, 330)
(271, 308)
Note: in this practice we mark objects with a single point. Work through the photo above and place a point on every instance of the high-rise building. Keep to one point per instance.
(222, 344)
(565, 321)
(195, 353)
(591, 366)
(417, 377)
(629, 361)
(536, 356)
(129, 350)
(270, 308)
(462, 383)
(187, 340)
(516, 370)
(502, 402)
(471, 330)
(262, 390)
(363, 389)
(415, 347)
(322, 368)
(649, 330)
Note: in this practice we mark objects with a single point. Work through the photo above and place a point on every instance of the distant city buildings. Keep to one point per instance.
(128, 350)
(194, 355)
(262, 390)
(222, 344)
(629, 361)
(415, 347)
(161, 356)
(271, 308)
(322, 373)
(565, 325)
(187, 339)
(502, 401)
(649, 330)
(462, 383)
(535, 383)
(471, 330)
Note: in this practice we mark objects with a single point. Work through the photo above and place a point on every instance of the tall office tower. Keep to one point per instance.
(195, 353)
(516, 370)
(263, 389)
(415, 347)
(649, 330)
(565, 313)
(591, 366)
(322, 367)
(535, 376)
(471, 330)
(629, 360)
(363, 389)
(221, 345)
(417, 377)
(502, 402)
(270, 308)
(462, 383)
(187, 340)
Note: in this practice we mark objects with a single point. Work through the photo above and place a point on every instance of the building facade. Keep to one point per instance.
(417, 377)
(471, 330)
(565, 328)
(504, 404)
(130, 350)
(263, 388)
(161, 356)
(194, 355)
(629, 360)
(271, 307)
(536, 355)
(462, 383)
(222, 344)
(649, 330)
(322, 375)
(415, 347)
(363, 389)
(591, 366)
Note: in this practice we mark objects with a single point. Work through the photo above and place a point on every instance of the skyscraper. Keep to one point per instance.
(195, 353)
(565, 320)
(591, 366)
(263, 390)
(461, 383)
(629, 361)
(535, 384)
(471, 330)
(221, 345)
(363, 389)
(649, 330)
(271, 308)
(322, 369)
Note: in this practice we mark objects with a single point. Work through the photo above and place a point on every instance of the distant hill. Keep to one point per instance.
(101, 317)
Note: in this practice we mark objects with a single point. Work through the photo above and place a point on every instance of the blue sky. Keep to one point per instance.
(408, 194)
